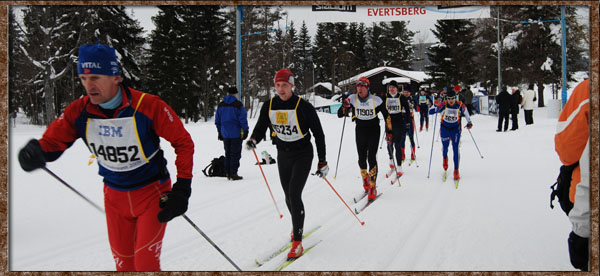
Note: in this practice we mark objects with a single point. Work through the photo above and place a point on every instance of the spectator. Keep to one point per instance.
(468, 100)
(504, 101)
(528, 101)
(232, 124)
(572, 145)
(516, 100)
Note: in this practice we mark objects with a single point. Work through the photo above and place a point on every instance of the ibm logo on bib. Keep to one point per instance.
(281, 118)
(110, 131)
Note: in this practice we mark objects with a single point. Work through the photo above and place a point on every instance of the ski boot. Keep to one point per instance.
(373, 189)
(403, 155)
(456, 175)
(427, 127)
(445, 164)
(365, 177)
(421, 128)
(234, 176)
(412, 155)
(296, 250)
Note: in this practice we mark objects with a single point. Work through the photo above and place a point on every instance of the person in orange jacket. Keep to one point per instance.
(572, 144)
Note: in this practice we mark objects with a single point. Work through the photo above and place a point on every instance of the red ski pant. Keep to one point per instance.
(134, 232)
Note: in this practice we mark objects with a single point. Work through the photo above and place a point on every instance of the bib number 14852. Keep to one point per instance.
(121, 154)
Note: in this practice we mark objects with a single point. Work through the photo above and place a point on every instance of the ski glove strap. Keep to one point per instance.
(175, 202)
(251, 144)
(31, 156)
(322, 169)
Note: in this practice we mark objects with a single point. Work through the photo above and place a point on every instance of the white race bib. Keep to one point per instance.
(115, 142)
(365, 110)
(285, 124)
(451, 115)
(393, 105)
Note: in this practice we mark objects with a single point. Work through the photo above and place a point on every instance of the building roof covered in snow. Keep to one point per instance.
(417, 76)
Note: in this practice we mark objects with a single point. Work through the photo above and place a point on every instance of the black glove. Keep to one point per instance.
(322, 169)
(220, 136)
(469, 125)
(244, 135)
(31, 156)
(251, 144)
(578, 251)
(175, 202)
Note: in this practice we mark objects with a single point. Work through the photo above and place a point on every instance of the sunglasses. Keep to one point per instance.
(362, 83)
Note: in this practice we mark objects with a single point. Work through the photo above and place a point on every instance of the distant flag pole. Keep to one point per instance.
(564, 56)
(239, 12)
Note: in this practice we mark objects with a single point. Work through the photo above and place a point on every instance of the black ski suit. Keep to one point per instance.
(294, 149)
(396, 105)
(367, 128)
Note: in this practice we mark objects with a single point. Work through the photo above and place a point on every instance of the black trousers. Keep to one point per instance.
(397, 134)
(294, 167)
(233, 153)
(503, 117)
(515, 123)
(528, 117)
(367, 140)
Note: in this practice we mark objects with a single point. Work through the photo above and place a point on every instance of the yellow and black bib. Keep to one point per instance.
(285, 123)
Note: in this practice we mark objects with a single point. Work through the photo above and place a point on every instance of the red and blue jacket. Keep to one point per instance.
(152, 118)
(452, 114)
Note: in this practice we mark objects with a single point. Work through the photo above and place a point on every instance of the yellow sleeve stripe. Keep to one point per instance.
(137, 135)
(296, 114)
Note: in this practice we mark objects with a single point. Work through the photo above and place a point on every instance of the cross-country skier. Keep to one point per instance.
(292, 117)
(409, 126)
(365, 107)
(450, 126)
(395, 105)
(424, 102)
(121, 126)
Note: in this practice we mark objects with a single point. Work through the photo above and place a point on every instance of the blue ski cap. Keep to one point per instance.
(97, 59)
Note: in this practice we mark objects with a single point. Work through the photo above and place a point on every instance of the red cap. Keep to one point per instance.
(284, 75)
(362, 80)
(457, 87)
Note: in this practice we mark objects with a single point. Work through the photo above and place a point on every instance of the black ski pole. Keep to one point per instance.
(165, 197)
(340, 150)
(72, 189)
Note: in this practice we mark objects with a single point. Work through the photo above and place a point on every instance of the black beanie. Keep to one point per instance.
(232, 90)
(393, 83)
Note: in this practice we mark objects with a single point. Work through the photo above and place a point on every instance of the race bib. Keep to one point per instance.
(451, 115)
(365, 110)
(393, 105)
(285, 124)
(115, 142)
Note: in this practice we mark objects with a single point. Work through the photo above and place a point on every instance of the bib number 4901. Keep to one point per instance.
(121, 154)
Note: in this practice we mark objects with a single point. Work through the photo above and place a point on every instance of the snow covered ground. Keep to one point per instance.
(499, 219)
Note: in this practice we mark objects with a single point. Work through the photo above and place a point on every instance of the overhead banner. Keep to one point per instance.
(399, 13)
(338, 8)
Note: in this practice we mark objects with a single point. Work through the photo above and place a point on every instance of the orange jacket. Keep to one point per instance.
(572, 145)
